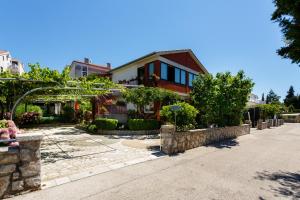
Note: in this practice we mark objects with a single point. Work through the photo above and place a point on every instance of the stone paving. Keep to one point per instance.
(69, 154)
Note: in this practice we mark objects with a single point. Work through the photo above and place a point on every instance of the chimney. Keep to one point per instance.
(87, 60)
(108, 65)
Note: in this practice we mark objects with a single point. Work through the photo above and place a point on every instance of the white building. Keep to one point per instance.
(85, 68)
(254, 100)
(9, 63)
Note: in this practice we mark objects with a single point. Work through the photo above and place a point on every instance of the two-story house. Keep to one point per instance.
(173, 70)
(86, 67)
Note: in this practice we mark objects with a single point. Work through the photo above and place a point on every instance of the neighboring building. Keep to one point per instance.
(253, 100)
(80, 69)
(9, 63)
(173, 70)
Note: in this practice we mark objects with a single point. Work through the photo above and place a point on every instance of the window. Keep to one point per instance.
(151, 70)
(177, 75)
(84, 71)
(164, 71)
(191, 78)
(183, 77)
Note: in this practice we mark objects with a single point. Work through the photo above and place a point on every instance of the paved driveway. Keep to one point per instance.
(262, 165)
(70, 154)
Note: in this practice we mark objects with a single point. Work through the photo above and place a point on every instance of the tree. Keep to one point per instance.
(289, 96)
(221, 99)
(272, 97)
(143, 96)
(263, 97)
(288, 16)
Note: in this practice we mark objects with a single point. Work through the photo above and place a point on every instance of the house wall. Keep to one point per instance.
(130, 72)
(4, 61)
(90, 70)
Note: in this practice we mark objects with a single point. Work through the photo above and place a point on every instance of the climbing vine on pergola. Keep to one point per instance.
(46, 84)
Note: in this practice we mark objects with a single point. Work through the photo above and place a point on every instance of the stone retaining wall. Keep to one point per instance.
(20, 167)
(262, 125)
(128, 132)
(175, 142)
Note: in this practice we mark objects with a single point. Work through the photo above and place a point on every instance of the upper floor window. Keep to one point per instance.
(164, 71)
(177, 75)
(192, 77)
(183, 77)
(84, 71)
(151, 70)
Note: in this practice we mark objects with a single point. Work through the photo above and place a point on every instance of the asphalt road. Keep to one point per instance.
(262, 165)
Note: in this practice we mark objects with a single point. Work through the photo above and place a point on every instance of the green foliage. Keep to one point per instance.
(106, 124)
(269, 110)
(221, 99)
(291, 100)
(288, 17)
(145, 95)
(3, 124)
(272, 97)
(92, 128)
(68, 113)
(62, 88)
(21, 109)
(143, 124)
(185, 117)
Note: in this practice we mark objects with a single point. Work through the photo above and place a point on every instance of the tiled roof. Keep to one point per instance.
(93, 65)
(3, 52)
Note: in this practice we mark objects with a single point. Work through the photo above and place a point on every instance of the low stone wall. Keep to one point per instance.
(262, 125)
(175, 142)
(20, 167)
(280, 122)
(128, 132)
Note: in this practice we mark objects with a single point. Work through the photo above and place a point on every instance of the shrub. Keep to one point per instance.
(3, 124)
(185, 117)
(29, 118)
(106, 124)
(92, 128)
(221, 99)
(68, 113)
(143, 124)
(30, 108)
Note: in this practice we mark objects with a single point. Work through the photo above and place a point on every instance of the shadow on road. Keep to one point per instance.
(288, 183)
(225, 144)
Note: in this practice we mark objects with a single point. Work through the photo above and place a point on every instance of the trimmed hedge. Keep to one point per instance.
(106, 124)
(143, 124)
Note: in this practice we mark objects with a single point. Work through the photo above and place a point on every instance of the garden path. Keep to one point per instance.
(69, 154)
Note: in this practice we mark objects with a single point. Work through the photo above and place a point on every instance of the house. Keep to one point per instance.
(173, 70)
(86, 67)
(7, 63)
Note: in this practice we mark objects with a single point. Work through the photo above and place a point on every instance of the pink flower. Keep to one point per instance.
(11, 123)
(14, 144)
(12, 132)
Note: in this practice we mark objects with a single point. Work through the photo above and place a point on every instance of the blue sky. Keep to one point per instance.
(225, 35)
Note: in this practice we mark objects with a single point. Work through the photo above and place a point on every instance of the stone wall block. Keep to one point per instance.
(4, 183)
(17, 186)
(33, 182)
(7, 169)
(30, 169)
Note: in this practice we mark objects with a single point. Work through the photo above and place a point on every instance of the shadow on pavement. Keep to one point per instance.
(225, 144)
(288, 183)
